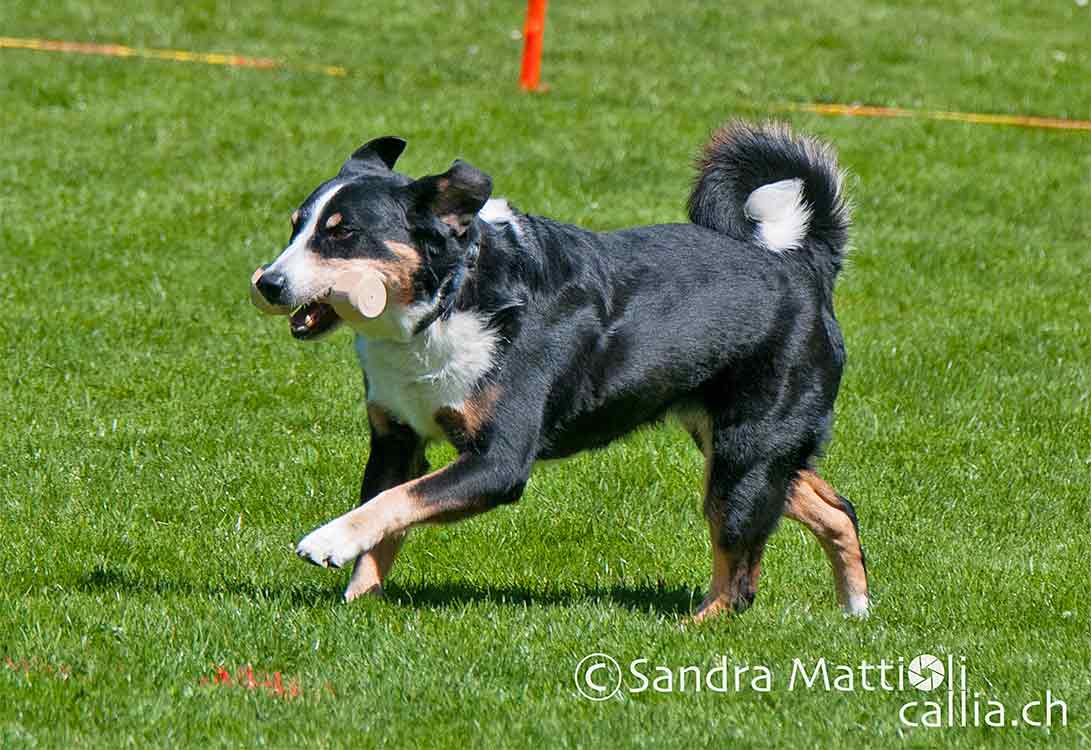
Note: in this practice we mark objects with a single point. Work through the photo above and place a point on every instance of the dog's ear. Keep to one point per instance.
(455, 196)
(380, 154)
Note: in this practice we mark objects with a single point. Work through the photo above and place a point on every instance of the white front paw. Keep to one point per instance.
(333, 545)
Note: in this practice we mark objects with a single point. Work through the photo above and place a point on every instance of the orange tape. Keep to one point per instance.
(530, 74)
(859, 110)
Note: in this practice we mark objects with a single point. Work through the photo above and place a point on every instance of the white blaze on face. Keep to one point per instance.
(300, 267)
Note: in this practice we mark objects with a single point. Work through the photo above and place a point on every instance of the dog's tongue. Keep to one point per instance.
(312, 319)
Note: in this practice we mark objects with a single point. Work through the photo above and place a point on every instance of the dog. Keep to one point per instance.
(518, 338)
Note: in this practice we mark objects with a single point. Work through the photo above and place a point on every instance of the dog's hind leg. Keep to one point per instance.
(744, 498)
(735, 575)
(397, 455)
(831, 518)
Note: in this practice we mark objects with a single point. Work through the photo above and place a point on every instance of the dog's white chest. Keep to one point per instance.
(438, 367)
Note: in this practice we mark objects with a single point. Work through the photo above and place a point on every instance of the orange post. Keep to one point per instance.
(531, 73)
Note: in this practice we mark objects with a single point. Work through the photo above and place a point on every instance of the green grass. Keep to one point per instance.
(164, 446)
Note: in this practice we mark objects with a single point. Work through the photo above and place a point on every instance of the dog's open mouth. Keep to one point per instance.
(312, 319)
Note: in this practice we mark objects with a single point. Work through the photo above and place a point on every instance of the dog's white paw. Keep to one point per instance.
(857, 606)
(332, 546)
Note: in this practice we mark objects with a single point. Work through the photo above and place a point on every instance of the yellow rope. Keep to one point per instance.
(176, 55)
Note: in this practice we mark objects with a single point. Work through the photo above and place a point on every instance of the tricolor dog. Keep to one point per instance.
(518, 338)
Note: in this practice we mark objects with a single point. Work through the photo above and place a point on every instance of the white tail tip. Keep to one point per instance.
(781, 214)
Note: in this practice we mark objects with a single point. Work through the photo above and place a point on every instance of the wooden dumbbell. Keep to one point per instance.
(362, 291)
(359, 292)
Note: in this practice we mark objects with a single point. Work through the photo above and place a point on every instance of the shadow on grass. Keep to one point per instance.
(645, 598)
(639, 597)
(120, 580)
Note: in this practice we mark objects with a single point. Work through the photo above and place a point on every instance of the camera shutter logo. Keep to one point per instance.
(926, 672)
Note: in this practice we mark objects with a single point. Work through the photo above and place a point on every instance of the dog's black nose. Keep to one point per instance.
(271, 285)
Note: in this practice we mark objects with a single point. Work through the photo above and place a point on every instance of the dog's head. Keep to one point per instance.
(413, 233)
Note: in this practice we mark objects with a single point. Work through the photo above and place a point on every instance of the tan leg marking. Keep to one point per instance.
(372, 568)
(718, 599)
(814, 504)
(734, 580)
(388, 514)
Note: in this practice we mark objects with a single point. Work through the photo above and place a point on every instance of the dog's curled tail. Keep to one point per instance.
(765, 184)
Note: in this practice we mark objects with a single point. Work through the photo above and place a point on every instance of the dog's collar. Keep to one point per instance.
(443, 301)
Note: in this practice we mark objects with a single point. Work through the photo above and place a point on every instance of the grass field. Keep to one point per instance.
(164, 446)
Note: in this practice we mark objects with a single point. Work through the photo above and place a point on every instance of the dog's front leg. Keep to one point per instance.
(471, 484)
(396, 456)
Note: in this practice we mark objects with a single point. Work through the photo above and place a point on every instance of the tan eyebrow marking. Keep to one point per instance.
(333, 221)
(295, 217)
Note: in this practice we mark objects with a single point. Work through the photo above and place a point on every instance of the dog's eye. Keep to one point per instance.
(339, 233)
